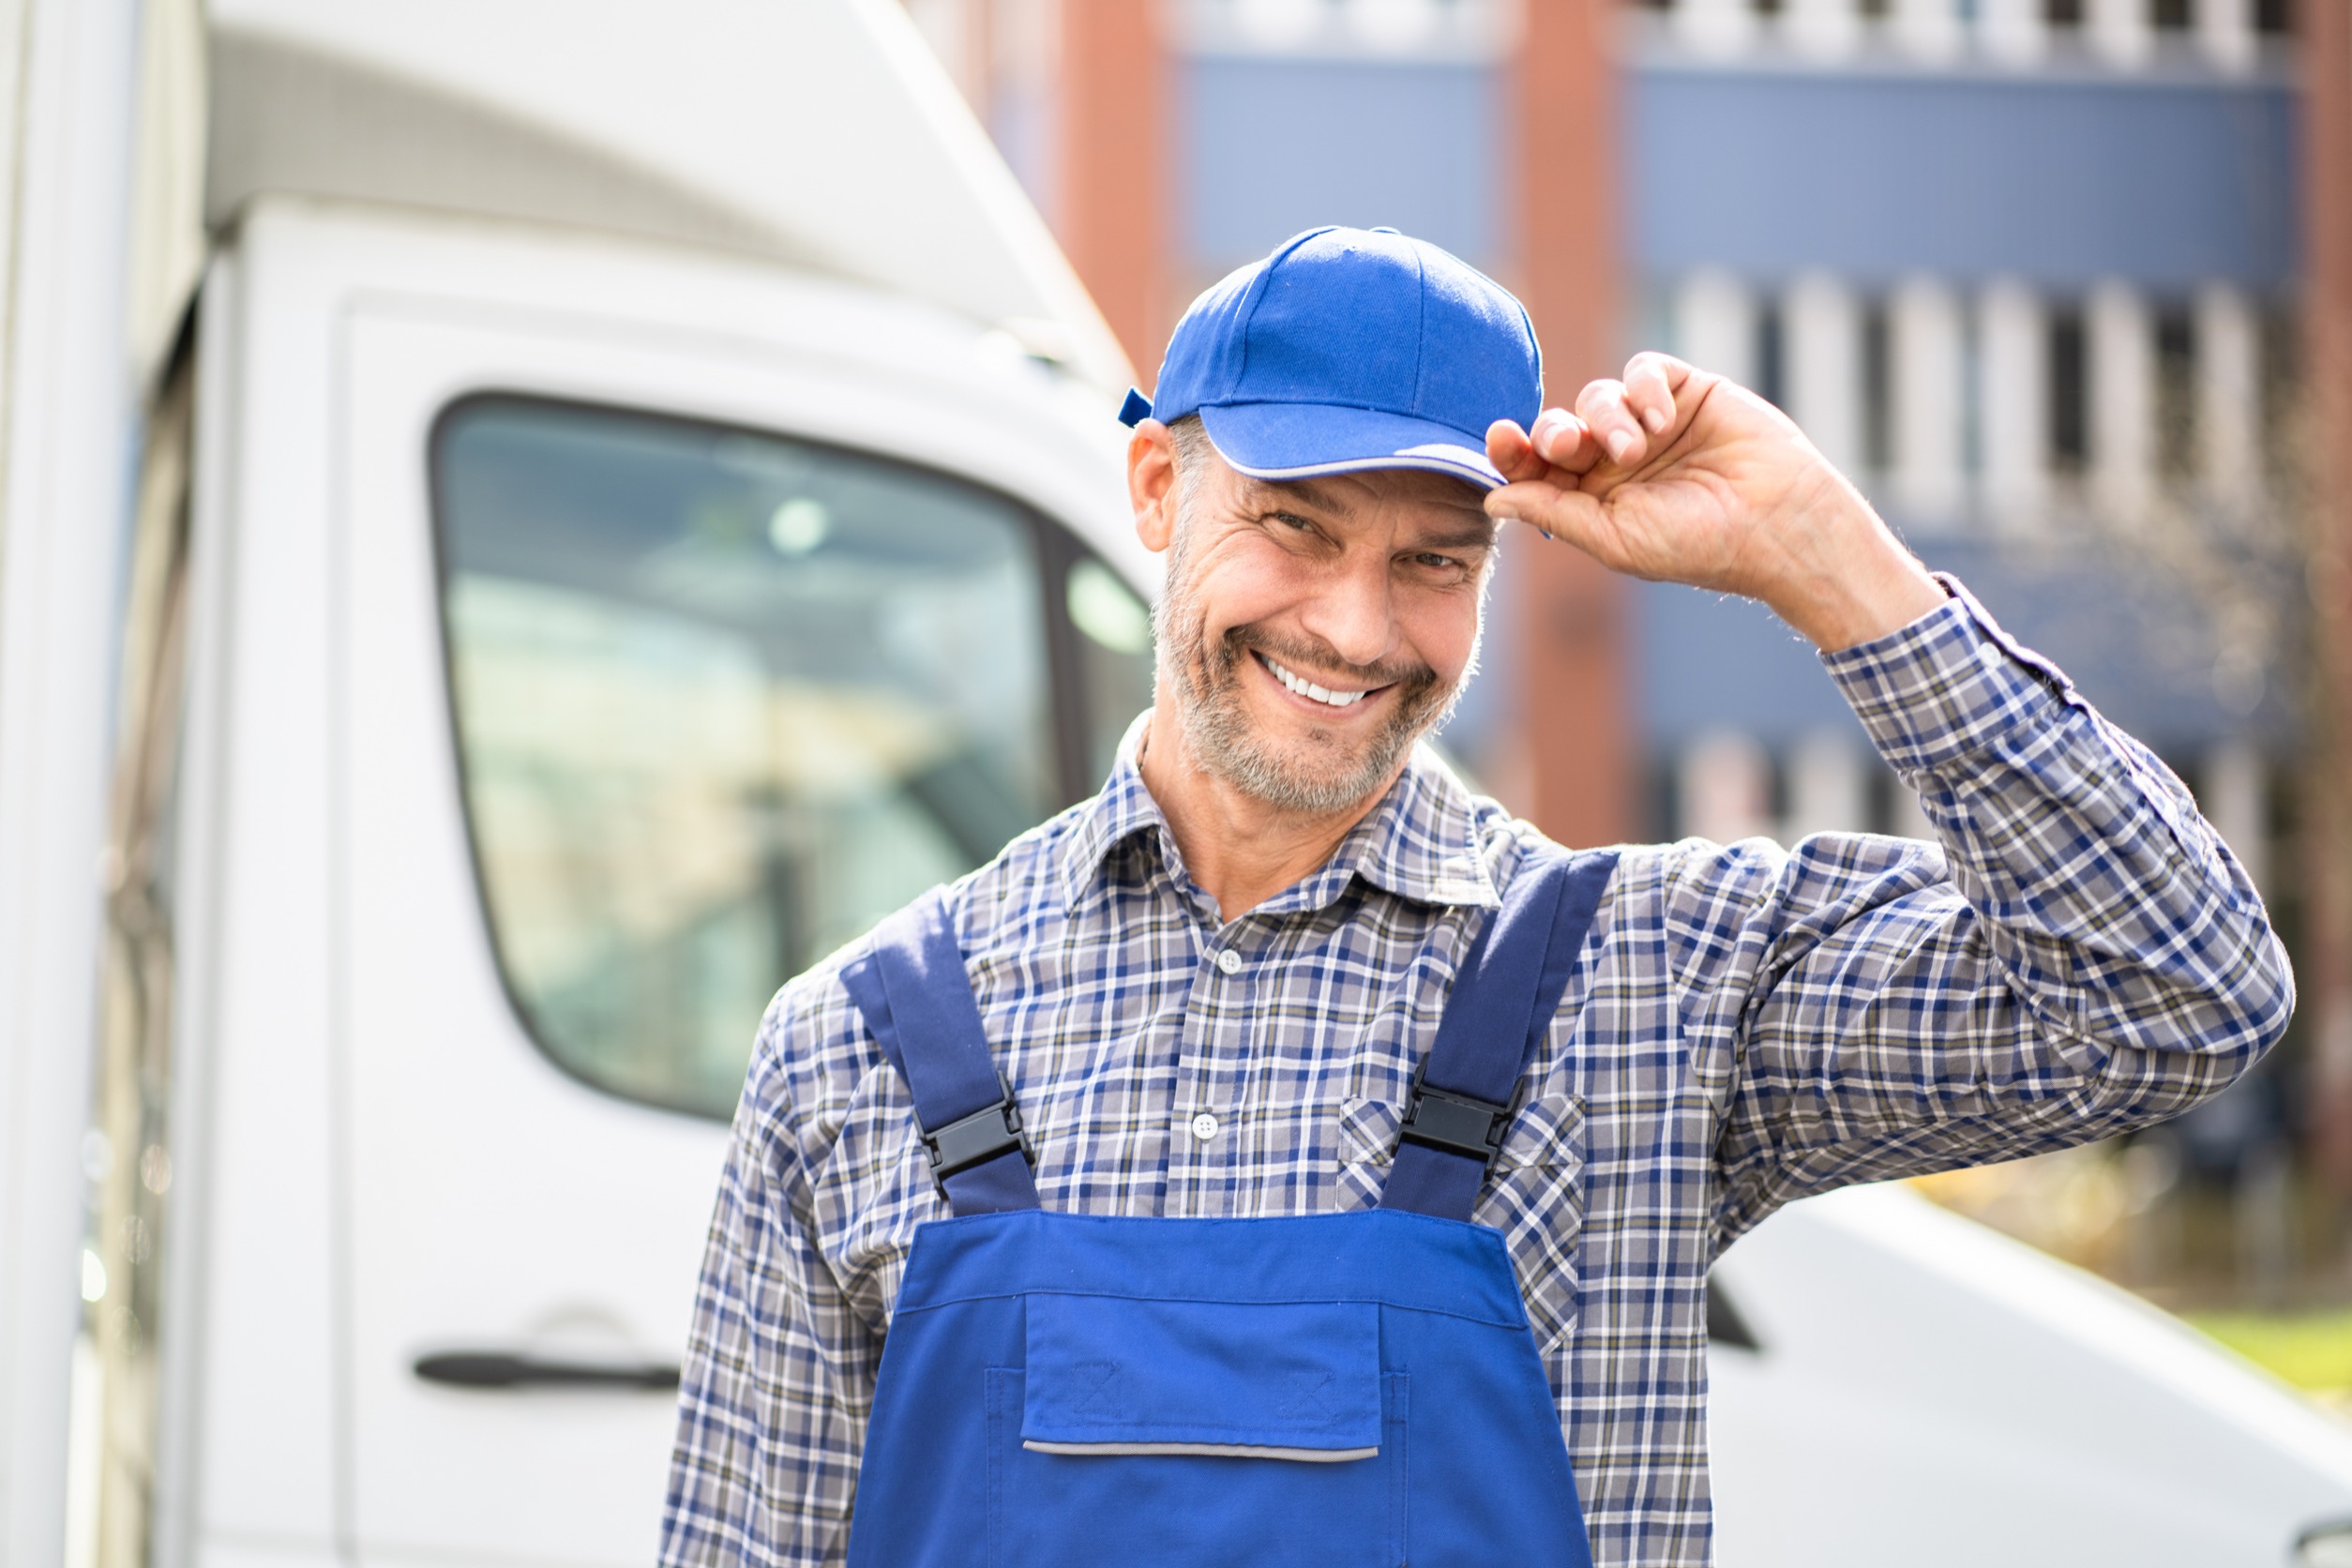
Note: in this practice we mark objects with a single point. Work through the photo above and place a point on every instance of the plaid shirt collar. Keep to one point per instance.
(1420, 843)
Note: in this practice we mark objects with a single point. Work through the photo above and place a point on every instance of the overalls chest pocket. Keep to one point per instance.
(1182, 1432)
(1534, 1195)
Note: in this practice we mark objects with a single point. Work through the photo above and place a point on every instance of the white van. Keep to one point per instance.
(635, 500)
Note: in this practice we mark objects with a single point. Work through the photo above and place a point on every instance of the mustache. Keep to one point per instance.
(1299, 654)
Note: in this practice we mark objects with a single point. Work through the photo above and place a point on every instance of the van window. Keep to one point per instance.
(1114, 655)
(723, 700)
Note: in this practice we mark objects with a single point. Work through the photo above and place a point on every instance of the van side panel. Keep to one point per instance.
(267, 1443)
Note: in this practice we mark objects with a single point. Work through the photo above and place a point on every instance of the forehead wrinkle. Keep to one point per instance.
(1322, 498)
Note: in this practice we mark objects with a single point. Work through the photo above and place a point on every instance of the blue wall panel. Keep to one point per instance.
(1268, 146)
(2055, 179)
(2138, 646)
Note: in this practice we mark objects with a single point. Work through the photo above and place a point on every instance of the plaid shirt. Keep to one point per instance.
(1748, 1025)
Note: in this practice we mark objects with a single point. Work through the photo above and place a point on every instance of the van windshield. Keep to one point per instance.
(724, 698)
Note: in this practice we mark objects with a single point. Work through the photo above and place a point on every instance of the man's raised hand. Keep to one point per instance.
(1678, 476)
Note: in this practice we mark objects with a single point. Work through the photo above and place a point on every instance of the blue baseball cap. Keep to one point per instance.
(1351, 349)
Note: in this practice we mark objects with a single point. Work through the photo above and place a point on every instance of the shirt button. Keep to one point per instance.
(1230, 962)
(1205, 1126)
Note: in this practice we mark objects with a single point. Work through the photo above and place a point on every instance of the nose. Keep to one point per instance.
(1353, 610)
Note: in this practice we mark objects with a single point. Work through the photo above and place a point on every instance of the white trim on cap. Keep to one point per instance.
(1432, 459)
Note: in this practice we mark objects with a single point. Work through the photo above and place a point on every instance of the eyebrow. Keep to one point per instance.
(1322, 499)
(1481, 534)
(1315, 496)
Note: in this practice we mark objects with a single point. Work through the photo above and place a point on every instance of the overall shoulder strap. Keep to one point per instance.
(917, 999)
(1504, 996)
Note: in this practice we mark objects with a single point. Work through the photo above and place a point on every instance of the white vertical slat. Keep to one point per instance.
(1392, 26)
(2121, 348)
(1720, 29)
(1726, 781)
(2013, 403)
(1279, 24)
(2236, 800)
(1715, 324)
(2012, 31)
(1926, 29)
(2120, 31)
(2228, 398)
(1828, 785)
(2226, 32)
(69, 93)
(1822, 29)
(1923, 350)
(1823, 321)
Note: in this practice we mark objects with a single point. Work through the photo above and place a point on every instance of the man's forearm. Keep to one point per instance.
(2113, 905)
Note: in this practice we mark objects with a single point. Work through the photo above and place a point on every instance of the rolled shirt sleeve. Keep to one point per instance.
(2078, 954)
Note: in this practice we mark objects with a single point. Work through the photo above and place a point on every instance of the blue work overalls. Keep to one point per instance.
(1329, 1390)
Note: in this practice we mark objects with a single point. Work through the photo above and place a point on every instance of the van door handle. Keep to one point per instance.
(496, 1369)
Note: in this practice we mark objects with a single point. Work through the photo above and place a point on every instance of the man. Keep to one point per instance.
(1210, 989)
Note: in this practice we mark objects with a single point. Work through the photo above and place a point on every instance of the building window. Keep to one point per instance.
(1877, 389)
(2070, 391)
(1772, 353)
(2177, 433)
(2278, 364)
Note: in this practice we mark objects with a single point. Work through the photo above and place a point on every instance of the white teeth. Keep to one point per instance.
(1309, 688)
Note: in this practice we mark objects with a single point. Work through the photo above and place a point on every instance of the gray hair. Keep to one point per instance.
(1194, 451)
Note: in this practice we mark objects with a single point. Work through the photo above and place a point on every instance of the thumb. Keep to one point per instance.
(1557, 513)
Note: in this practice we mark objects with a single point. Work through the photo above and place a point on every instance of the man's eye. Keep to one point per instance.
(1291, 520)
(1436, 563)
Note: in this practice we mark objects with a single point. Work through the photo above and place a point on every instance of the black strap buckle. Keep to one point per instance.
(1456, 1124)
(979, 1137)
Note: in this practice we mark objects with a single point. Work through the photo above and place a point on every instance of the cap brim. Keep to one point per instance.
(1298, 441)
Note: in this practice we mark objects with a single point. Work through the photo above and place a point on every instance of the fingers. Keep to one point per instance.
(1565, 442)
(1621, 422)
(1512, 453)
(1558, 442)
(1603, 407)
(1649, 391)
(1632, 418)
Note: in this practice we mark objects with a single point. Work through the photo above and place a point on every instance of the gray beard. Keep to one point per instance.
(1318, 776)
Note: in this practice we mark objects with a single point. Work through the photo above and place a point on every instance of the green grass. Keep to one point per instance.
(2311, 1350)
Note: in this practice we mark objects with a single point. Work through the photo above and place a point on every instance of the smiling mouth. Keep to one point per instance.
(1308, 690)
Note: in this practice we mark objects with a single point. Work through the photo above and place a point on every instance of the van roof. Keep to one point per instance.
(820, 133)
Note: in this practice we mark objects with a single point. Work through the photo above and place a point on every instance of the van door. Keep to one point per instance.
(660, 682)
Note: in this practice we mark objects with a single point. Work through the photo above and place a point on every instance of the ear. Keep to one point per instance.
(1151, 484)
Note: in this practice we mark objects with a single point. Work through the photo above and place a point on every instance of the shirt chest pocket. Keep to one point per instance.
(1534, 1195)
